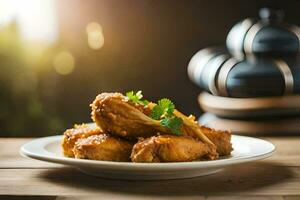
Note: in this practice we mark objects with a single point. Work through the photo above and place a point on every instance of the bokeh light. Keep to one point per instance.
(93, 26)
(64, 63)
(95, 35)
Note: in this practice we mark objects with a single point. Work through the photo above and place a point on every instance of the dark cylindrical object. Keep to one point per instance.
(267, 36)
(223, 75)
(204, 64)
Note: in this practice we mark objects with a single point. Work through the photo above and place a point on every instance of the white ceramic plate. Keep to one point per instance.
(245, 149)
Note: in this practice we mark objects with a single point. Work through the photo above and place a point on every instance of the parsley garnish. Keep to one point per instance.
(136, 97)
(164, 107)
(162, 111)
(173, 123)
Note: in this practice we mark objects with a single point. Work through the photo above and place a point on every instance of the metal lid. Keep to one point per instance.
(217, 72)
(267, 36)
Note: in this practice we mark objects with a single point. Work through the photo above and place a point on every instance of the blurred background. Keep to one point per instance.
(56, 56)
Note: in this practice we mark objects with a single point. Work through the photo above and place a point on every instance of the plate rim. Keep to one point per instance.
(142, 166)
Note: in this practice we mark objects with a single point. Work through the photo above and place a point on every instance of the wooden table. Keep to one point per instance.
(277, 177)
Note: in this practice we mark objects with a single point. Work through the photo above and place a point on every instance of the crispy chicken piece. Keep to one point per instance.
(220, 138)
(169, 148)
(103, 147)
(115, 115)
(72, 135)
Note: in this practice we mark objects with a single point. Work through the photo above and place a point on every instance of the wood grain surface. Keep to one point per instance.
(275, 178)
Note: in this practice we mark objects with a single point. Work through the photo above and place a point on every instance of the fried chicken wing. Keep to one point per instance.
(103, 147)
(72, 135)
(169, 148)
(220, 138)
(115, 115)
(122, 120)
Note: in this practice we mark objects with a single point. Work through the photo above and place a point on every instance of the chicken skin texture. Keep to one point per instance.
(122, 121)
(72, 135)
(169, 148)
(103, 147)
(220, 138)
(118, 117)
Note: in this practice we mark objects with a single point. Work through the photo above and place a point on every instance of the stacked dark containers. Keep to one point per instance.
(253, 85)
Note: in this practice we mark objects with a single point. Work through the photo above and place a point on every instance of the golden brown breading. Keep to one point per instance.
(73, 134)
(169, 148)
(220, 138)
(117, 116)
(103, 147)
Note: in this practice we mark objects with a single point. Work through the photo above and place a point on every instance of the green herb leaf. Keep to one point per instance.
(167, 106)
(145, 102)
(136, 97)
(156, 112)
(164, 107)
(173, 123)
(162, 111)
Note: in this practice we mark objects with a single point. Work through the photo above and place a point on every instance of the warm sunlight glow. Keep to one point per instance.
(64, 63)
(35, 19)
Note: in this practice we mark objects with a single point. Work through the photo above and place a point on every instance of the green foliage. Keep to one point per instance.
(173, 123)
(136, 97)
(162, 111)
(26, 109)
(164, 107)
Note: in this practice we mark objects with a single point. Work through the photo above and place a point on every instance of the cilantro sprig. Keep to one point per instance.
(162, 111)
(173, 123)
(136, 97)
(164, 108)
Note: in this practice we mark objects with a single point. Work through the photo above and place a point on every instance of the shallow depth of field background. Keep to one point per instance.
(56, 56)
